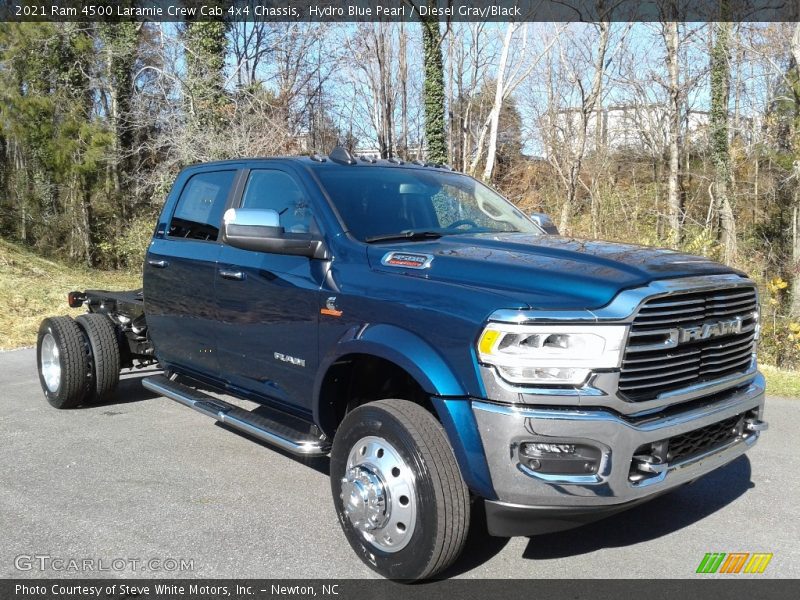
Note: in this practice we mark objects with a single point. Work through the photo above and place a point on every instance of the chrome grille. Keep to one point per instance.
(662, 355)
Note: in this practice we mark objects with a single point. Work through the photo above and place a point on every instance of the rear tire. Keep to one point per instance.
(398, 491)
(106, 359)
(62, 356)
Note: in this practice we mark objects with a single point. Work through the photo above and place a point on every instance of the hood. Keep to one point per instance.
(544, 271)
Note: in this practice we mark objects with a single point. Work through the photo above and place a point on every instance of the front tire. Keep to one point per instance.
(398, 491)
(63, 361)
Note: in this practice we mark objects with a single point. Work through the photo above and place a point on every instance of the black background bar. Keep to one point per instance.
(396, 10)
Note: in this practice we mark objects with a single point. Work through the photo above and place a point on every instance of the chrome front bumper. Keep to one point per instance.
(504, 427)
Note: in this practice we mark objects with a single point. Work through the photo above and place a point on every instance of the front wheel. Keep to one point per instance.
(398, 491)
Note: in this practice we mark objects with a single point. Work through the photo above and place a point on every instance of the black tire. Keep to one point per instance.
(443, 507)
(106, 359)
(73, 361)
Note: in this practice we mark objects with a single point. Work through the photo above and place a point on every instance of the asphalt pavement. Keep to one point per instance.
(143, 486)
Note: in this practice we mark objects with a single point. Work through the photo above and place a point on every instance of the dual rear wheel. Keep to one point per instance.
(78, 359)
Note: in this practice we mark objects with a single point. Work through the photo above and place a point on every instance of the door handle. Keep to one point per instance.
(158, 264)
(235, 275)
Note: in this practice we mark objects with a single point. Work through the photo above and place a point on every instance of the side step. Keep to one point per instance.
(265, 429)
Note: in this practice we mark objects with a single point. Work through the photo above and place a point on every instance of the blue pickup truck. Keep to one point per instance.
(449, 353)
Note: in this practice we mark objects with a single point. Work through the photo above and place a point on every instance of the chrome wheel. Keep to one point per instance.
(51, 363)
(379, 495)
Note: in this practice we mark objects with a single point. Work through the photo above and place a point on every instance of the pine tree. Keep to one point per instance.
(59, 147)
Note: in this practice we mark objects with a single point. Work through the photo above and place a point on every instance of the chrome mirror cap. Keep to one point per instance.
(545, 222)
(258, 217)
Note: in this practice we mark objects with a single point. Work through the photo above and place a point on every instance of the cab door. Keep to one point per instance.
(268, 304)
(180, 271)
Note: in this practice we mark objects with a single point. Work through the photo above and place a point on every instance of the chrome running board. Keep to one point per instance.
(267, 430)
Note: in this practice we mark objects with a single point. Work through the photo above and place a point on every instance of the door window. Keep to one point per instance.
(276, 190)
(200, 206)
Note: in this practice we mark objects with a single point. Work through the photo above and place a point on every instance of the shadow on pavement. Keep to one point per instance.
(321, 464)
(480, 546)
(130, 389)
(659, 517)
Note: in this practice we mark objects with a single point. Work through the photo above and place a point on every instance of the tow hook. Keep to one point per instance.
(756, 425)
(650, 464)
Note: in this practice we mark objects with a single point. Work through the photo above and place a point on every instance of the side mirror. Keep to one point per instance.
(260, 230)
(545, 222)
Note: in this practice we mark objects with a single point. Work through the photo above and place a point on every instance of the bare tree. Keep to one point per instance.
(517, 60)
(251, 44)
(510, 74)
(674, 197)
(298, 75)
(374, 49)
(470, 57)
(720, 143)
(795, 306)
(403, 77)
(576, 73)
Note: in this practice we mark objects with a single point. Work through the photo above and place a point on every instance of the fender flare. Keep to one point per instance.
(399, 346)
(422, 362)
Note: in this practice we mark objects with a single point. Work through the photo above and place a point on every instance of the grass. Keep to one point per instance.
(32, 288)
(781, 382)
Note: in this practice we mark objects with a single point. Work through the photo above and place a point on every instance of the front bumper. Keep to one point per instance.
(509, 520)
(618, 482)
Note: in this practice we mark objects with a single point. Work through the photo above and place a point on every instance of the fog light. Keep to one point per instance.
(537, 449)
(559, 458)
(545, 375)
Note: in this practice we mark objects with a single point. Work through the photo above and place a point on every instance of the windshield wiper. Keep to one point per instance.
(405, 235)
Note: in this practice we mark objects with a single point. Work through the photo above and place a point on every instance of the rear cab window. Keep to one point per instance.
(199, 210)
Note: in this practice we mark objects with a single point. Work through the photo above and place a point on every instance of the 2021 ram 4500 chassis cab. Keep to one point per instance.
(435, 341)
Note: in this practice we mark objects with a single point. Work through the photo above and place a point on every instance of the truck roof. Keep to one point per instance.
(339, 156)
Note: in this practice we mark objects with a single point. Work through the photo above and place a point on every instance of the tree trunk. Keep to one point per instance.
(403, 68)
(720, 147)
(87, 217)
(569, 201)
(20, 171)
(494, 116)
(586, 110)
(674, 198)
(206, 46)
(433, 91)
(476, 159)
(794, 309)
(386, 95)
(451, 129)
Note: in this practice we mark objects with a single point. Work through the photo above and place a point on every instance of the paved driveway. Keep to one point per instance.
(144, 478)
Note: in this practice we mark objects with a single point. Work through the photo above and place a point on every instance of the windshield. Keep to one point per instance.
(379, 202)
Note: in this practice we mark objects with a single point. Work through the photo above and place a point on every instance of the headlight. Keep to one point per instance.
(757, 324)
(551, 354)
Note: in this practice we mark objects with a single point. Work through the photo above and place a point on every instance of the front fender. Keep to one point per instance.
(403, 348)
(450, 398)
